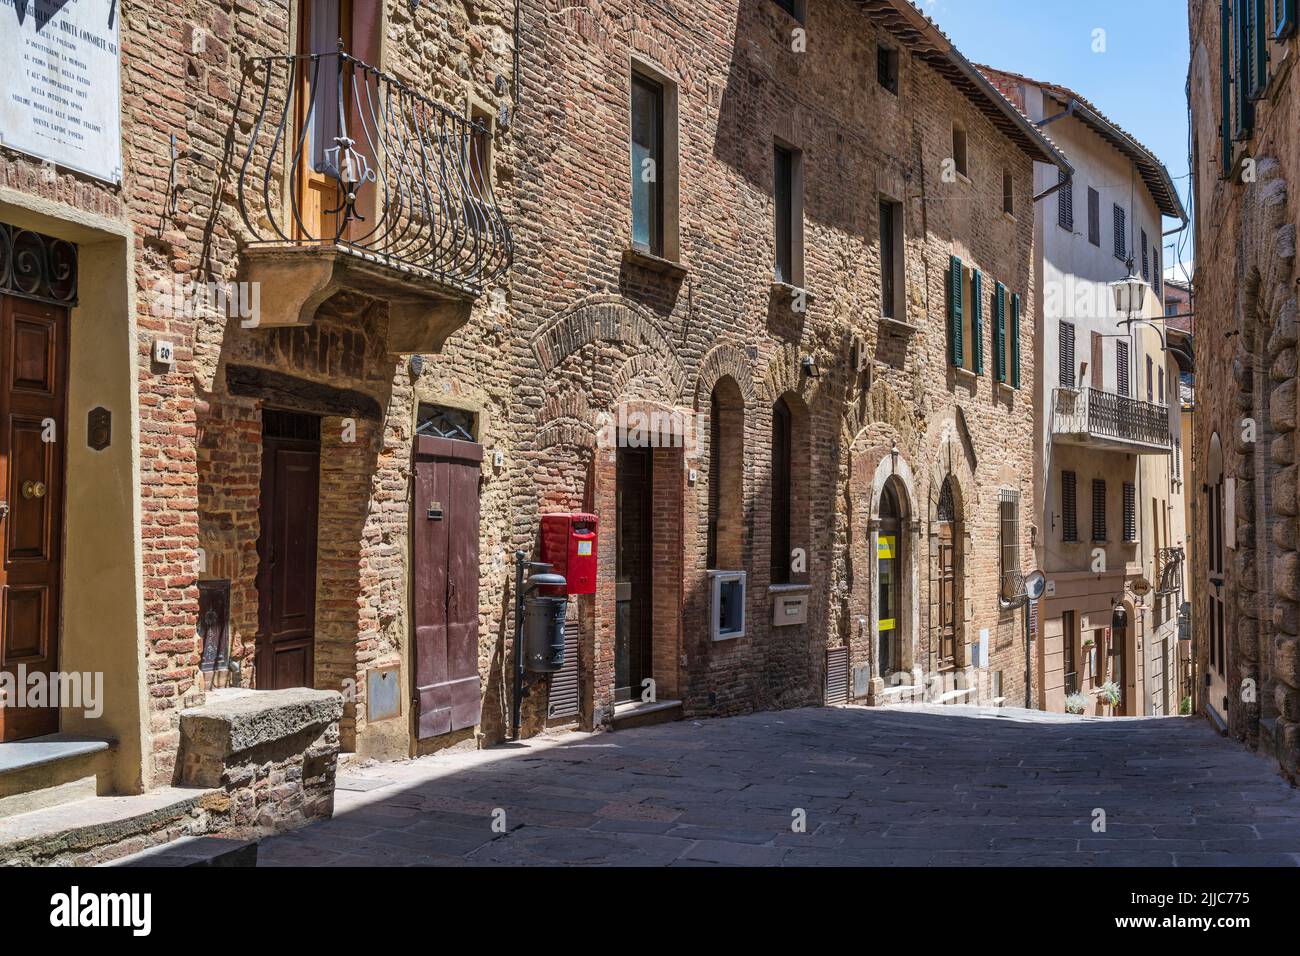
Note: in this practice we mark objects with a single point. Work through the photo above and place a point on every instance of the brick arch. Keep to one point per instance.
(609, 319)
(881, 410)
(725, 360)
(590, 21)
(949, 456)
(784, 376)
(566, 418)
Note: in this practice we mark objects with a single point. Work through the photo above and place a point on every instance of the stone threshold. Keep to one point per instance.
(639, 714)
(54, 748)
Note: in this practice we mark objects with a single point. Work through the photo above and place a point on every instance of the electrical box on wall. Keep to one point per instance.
(570, 544)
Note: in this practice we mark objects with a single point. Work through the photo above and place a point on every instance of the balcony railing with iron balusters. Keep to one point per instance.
(410, 191)
(1107, 415)
(1169, 570)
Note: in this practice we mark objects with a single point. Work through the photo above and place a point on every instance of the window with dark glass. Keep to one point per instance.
(887, 68)
(891, 258)
(1008, 193)
(1009, 518)
(647, 165)
(783, 197)
(959, 150)
(781, 497)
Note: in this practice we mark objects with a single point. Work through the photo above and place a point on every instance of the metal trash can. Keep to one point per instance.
(544, 626)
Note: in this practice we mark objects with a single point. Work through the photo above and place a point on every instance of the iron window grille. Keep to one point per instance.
(1013, 578)
(37, 267)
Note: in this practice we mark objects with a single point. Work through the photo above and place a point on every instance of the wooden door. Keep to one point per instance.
(286, 549)
(445, 538)
(634, 579)
(32, 406)
(947, 595)
(322, 24)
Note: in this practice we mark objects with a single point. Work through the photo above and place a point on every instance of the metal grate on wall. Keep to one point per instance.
(837, 675)
(564, 685)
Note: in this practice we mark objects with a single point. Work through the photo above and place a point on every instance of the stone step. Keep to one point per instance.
(195, 851)
(48, 771)
(97, 830)
(638, 714)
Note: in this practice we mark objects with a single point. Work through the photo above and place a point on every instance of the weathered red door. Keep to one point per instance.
(286, 579)
(33, 387)
(445, 539)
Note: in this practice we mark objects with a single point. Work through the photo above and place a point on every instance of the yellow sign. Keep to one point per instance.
(886, 546)
(888, 625)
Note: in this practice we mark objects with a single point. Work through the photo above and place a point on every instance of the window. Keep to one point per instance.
(1121, 244)
(1009, 516)
(1146, 261)
(1099, 511)
(1284, 18)
(787, 197)
(889, 577)
(965, 317)
(1065, 201)
(1121, 368)
(1160, 386)
(781, 500)
(1150, 381)
(892, 305)
(887, 68)
(726, 469)
(647, 165)
(1094, 217)
(790, 510)
(1065, 343)
(959, 156)
(480, 153)
(1008, 193)
(1069, 513)
(793, 7)
(1130, 512)
(1157, 271)
(1069, 630)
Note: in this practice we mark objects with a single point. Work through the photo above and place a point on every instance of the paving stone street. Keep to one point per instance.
(942, 786)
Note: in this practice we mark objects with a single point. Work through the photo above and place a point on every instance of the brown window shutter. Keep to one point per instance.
(1130, 512)
(1121, 368)
(1066, 347)
(1098, 510)
(1069, 513)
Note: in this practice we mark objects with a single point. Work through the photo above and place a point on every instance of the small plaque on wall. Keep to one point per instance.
(99, 428)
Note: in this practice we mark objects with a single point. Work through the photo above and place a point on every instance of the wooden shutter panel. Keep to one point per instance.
(1121, 241)
(1244, 115)
(977, 323)
(1000, 332)
(1130, 512)
(1146, 258)
(1098, 510)
(1121, 368)
(956, 315)
(1065, 201)
(1015, 340)
(1094, 217)
(1257, 53)
(446, 572)
(1225, 87)
(1069, 514)
(1065, 344)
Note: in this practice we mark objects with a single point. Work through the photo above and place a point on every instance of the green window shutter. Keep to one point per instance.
(1244, 115)
(1284, 19)
(956, 315)
(1015, 340)
(1000, 332)
(1225, 87)
(1257, 52)
(977, 323)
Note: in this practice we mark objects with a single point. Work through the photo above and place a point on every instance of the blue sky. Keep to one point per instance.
(1138, 81)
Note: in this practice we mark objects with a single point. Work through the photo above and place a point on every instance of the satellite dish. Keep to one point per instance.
(1035, 585)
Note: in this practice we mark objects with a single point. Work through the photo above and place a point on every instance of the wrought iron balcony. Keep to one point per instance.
(1013, 587)
(1169, 570)
(345, 162)
(1105, 420)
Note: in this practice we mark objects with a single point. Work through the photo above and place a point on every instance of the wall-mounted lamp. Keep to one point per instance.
(809, 366)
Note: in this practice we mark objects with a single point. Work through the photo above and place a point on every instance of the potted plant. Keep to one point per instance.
(1077, 703)
(1110, 693)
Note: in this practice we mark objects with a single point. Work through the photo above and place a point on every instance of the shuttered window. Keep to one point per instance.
(1284, 18)
(1150, 381)
(1094, 217)
(977, 323)
(1121, 368)
(1160, 390)
(1121, 246)
(1243, 68)
(956, 314)
(1015, 340)
(1225, 88)
(1000, 332)
(1066, 344)
(1257, 47)
(1130, 512)
(1069, 514)
(1009, 513)
(1099, 510)
(1065, 201)
(1146, 258)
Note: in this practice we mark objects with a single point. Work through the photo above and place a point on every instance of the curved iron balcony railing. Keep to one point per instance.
(407, 188)
(1093, 415)
(1169, 570)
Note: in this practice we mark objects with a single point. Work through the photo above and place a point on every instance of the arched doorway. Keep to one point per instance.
(949, 567)
(1216, 528)
(1121, 661)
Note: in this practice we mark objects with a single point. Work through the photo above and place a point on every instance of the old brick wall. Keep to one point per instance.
(1246, 392)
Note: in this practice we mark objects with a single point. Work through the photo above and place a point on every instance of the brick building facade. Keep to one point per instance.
(821, 294)
(1246, 159)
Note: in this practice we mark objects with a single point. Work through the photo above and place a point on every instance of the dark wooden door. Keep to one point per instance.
(947, 595)
(634, 579)
(286, 581)
(445, 538)
(33, 390)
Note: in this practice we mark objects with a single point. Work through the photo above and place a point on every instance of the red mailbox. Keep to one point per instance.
(569, 544)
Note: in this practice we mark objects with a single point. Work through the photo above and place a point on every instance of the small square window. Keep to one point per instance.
(887, 68)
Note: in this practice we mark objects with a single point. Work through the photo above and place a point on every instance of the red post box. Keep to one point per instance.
(569, 545)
